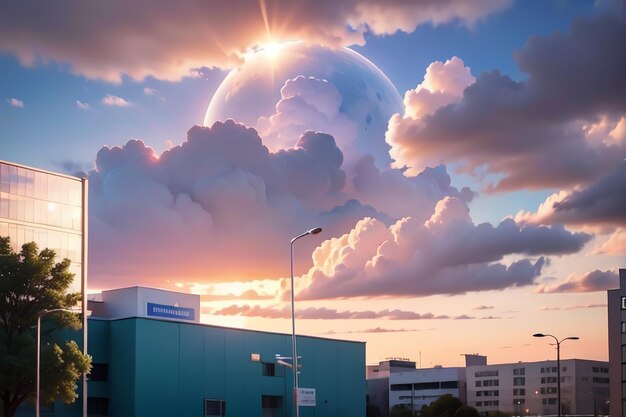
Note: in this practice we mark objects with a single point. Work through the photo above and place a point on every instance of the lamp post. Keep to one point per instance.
(38, 379)
(558, 364)
(293, 325)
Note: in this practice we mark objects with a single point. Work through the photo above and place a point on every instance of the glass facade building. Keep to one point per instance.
(43, 207)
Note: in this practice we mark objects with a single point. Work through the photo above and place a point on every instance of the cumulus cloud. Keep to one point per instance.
(602, 203)
(322, 313)
(308, 104)
(592, 281)
(530, 133)
(615, 244)
(484, 307)
(111, 100)
(149, 91)
(443, 84)
(447, 254)
(169, 40)
(13, 102)
(225, 205)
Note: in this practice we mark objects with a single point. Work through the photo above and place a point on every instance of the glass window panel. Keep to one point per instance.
(12, 179)
(12, 207)
(30, 183)
(21, 181)
(4, 178)
(4, 204)
(4, 229)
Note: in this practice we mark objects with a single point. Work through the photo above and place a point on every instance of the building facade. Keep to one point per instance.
(617, 346)
(44, 207)
(152, 358)
(530, 388)
(398, 382)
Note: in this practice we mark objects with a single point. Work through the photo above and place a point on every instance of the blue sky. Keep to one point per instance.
(70, 90)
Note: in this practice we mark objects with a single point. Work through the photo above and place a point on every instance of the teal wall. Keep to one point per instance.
(161, 368)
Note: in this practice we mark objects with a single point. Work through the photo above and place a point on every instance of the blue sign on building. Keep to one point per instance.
(171, 312)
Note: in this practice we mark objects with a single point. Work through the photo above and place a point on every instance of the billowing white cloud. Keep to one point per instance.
(536, 133)
(443, 84)
(168, 40)
(223, 205)
(447, 254)
(308, 104)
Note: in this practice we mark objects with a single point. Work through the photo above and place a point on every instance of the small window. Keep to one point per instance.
(449, 384)
(99, 372)
(97, 406)
(214, 408)
(271, 401)
(519, 381)
(623, 303)
(268, 369)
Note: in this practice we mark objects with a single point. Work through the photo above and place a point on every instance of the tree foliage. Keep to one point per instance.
(466, 411)
(444, 406)
(31, 282)
(400, 410)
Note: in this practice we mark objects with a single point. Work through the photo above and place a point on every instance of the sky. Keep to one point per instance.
(465, 160)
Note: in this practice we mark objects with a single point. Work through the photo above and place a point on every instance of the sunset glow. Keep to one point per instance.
(465, 160)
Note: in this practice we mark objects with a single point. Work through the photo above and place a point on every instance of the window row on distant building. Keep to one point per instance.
(420, 386)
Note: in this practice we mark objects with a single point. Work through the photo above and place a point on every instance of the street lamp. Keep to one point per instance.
(38, 382)
(293, 325)
(558, 364)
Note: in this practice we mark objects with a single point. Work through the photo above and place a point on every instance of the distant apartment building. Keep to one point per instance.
(530, 388)
(44, 207)
(520, 389)
(394, 382)
(617, 346)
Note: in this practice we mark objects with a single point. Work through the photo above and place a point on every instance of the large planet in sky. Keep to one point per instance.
(286, 89)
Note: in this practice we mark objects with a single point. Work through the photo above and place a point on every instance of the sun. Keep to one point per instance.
(272, 49)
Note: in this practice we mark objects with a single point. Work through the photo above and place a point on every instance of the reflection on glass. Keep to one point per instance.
(42, 207)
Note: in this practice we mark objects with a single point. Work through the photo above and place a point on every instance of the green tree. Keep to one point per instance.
(466, 411)
(444, 406)
(31, 282)
(400, 410)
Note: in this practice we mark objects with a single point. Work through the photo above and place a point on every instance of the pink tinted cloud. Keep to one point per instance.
(322, 313)
(529, 132)
(592, 281)
(447, 254)
(168, 40)
(601, 203)
(220, 206)
(615, 245)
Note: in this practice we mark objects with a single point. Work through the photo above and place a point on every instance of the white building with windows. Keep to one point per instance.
(394, 382)
(530, 388)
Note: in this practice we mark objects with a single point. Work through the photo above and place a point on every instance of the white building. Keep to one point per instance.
(394, 382)
(521, 389)
(530, 388)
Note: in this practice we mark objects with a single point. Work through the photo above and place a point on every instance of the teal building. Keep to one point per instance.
(152, 358)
